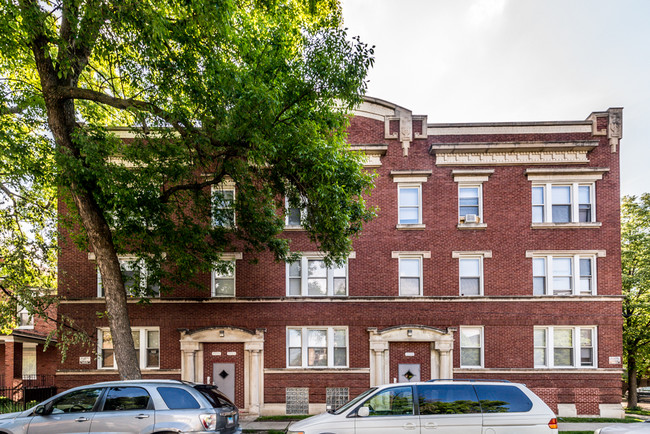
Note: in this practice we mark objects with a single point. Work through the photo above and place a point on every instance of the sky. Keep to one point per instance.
(515, 60)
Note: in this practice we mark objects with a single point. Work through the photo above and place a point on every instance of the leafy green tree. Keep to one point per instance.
(635, 257)
(250, 92)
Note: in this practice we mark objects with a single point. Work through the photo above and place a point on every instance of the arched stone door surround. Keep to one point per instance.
(192, 368)
(442, 344)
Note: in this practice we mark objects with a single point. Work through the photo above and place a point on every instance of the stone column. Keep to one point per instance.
(255, 382)
(446, 361)
(377, 351)
(188, 369)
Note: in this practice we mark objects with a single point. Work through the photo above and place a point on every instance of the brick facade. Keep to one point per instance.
(383, 328)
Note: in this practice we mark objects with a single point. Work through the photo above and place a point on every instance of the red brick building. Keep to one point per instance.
(495, 254)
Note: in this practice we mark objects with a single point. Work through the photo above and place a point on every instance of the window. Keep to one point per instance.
(563, 203)
(126, 398)
(317, 347)
(177, 399)
(137, 279)
(447, 399)
(223, 281)
(25, 319)
(410, 204)
(469, 203)
(471, 272)
(310, 277)
(396, 401)
(471, 347)
(223, 211)
(146, 342)
(470, 197)
(502, 399)
(78, 401)
(29, 361)
(565, 347)
(564, 274)
(295, 214)
(410, 276)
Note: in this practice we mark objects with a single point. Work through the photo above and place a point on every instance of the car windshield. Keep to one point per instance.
(216, 398)
(349, 404)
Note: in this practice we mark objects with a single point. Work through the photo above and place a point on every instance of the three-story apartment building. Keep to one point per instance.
(495, 255)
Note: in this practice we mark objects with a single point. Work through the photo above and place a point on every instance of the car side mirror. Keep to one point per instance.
(44, 410)
(363, 412)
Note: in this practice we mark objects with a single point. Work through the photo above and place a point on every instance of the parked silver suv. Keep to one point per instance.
(134, 407)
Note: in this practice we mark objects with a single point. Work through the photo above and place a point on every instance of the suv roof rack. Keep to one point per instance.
(471, 380)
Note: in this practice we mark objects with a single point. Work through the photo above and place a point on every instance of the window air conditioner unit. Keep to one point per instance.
(471, 218)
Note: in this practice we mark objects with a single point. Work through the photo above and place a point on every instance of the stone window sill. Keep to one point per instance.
(572, 225)
(413, 227)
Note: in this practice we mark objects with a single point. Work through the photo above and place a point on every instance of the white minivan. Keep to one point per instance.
(437, 407)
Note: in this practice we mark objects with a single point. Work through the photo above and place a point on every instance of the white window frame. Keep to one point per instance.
(481, 329)
(411, 255)
(471, 179)
(479, 188)
(216, 276)
(576, 347)
(400, 187)
(474, 255)
(304, 276)
(288, 208)
(576, 276)
(22, 312)
(223, 187)
(330, 347)
(142, 351)
(410, 179)
(125, 264)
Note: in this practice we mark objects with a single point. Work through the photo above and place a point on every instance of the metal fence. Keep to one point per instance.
(26, 393)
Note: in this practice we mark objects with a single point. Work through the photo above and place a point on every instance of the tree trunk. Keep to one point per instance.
(632, 399)
(61, 119)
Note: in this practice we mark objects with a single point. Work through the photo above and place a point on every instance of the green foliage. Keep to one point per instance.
(253, 92)
(635, 257)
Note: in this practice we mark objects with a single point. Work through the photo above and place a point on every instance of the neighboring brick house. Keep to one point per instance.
(495, 255)
(28, 358)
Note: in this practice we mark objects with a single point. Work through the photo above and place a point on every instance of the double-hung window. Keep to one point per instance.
(317, 347)
(223, 276)
(565, 347)
(25, 319)
(223, 205)
(310, 277)
(564, 196)
(410, 204)
(470, 271)
(295, 215)
(146, 341)
(471, 347)
(410, 272)
(138, 282)
(570, 273)
(470, 197)
(409, 197)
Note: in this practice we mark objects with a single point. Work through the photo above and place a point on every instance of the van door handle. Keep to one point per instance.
(431, 425)
(81, 419)
(409, 426)
(142, 416)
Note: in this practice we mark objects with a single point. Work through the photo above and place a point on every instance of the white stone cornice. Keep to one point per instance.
(566, 174)
(509, 128)
(511, 158)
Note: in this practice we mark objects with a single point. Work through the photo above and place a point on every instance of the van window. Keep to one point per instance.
(177, 398)
(447, 399)
(390, 402)
(502, 399)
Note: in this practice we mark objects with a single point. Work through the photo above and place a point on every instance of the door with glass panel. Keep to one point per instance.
(389, 411)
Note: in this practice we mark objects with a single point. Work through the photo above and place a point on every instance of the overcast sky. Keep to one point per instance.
(515, 60)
